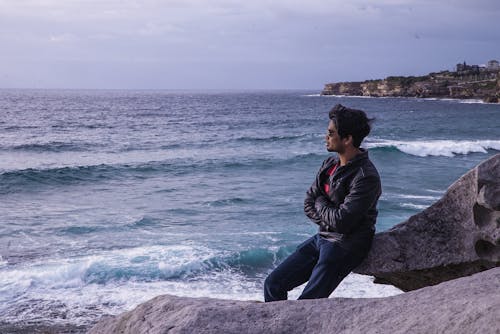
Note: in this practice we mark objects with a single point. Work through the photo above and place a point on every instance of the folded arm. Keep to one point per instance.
(348, 215)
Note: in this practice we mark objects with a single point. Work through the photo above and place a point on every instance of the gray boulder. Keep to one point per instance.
(465, 305)
(457, 236)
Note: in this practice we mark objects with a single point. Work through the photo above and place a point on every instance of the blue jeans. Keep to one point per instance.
(321, 262)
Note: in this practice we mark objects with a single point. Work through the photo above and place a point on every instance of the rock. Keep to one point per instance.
(457, 236)
(466, 305)
(491, 99)
(341, 88)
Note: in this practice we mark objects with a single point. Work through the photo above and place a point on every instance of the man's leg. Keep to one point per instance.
(294, 271)
(334, 264)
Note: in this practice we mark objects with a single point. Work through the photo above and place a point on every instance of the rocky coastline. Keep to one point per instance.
(467, 82)
(447, 258)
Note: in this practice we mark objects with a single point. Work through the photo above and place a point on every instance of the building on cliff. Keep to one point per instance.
(467, 69)
(493, 65)
(464, 68)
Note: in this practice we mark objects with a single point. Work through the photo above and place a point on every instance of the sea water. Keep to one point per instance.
(109, 198)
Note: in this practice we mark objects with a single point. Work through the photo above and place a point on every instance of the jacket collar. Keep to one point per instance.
(358, 158)
(354, 161)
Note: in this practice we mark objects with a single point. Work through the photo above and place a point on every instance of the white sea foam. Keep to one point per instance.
(422, 197)
(447, 148)
(74, 272)
(439, 99)
(83, 304)
(473, 101)
(355, 286)
(63, 285)
(354, 96)
(466, 101)
(435, 191)
(414, 206)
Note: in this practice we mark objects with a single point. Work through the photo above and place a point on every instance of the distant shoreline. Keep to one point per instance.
(458, 100)
(466, 83)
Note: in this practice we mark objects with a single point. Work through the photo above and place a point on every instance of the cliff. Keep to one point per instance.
(445, 84)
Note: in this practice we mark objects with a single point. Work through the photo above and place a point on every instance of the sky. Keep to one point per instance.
(223, 44)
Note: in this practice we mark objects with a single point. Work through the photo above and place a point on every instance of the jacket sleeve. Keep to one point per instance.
(312, 193)
(309, 204)
(345, 218)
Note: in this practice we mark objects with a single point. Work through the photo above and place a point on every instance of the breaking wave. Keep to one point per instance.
(72, 290)
(447, 148)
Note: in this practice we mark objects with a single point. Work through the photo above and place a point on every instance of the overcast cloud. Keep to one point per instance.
(217, 44)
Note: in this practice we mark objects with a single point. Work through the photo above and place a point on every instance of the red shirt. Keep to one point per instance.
(330, 172)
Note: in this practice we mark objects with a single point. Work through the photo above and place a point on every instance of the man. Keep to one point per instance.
(342, 201)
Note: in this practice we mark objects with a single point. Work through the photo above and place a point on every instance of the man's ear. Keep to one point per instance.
(348, 141)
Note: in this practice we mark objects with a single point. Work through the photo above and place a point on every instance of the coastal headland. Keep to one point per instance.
(466, 82)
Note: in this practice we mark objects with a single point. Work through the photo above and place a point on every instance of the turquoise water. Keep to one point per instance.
(109, 198)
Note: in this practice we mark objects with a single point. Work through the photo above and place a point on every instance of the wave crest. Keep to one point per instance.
(37, 178)
(447, 148)
(143, 264)
(53, 146)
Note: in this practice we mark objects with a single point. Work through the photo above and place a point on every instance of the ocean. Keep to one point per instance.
(109, 198)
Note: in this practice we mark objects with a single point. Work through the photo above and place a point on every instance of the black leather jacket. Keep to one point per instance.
(349, 211)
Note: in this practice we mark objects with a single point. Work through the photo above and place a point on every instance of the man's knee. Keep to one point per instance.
(273, 289)
(271, 283)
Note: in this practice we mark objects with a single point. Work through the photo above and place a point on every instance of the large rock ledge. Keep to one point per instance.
(465, 305)
(457, 236)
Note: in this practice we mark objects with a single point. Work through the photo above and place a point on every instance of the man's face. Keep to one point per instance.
(333, 141)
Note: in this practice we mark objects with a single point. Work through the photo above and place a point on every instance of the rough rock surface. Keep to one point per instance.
(465, 305)
(457, 236)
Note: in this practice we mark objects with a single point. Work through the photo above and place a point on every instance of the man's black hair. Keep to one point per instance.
(352, 122)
